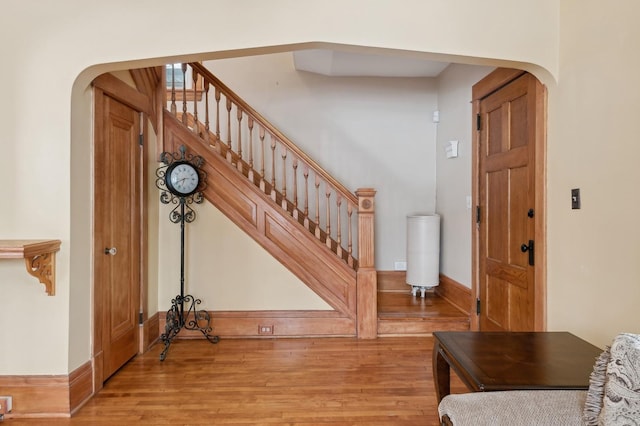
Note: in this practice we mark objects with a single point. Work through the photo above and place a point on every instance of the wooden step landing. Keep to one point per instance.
(401, 313)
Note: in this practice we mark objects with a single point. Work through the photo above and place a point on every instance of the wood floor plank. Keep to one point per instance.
(324, 381)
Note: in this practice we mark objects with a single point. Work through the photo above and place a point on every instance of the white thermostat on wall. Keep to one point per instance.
(451, 149)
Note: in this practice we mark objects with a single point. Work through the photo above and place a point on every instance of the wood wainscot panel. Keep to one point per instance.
(38, 396)
(243, 324)
(456, 293)
(226, 191)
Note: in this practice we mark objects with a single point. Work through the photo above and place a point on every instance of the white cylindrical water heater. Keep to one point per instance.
(423, 250)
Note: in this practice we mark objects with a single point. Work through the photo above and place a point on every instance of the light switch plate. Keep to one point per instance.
(575, 198)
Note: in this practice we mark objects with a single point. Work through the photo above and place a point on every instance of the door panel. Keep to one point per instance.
(506, 193)
(117, 225)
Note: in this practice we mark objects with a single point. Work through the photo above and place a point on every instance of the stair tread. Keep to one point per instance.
(395, 305)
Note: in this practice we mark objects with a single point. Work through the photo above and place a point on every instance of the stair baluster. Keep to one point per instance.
(328, 219)
(250, 125)
(295, 188)
(230, 148)
(218, 140)
(195, 104)
(184, 93)
(262, 181)
(239, 116)
(306, 196)
(273, 167)
(317, 232)
(207, 133)
(284, 180)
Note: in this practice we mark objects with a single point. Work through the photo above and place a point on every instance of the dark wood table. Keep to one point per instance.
(491, 361)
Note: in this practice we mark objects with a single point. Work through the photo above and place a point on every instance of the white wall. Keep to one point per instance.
(367, 132)
(589, 69)
(453, 175)
(593, 253)
(225, 268)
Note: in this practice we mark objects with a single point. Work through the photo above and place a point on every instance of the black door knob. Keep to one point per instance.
(529, 248)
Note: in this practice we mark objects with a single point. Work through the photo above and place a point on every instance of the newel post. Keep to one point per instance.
(367, 283)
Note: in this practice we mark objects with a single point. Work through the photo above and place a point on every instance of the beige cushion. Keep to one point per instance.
(515, 408)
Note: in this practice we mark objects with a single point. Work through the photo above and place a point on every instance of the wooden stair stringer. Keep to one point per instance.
(268, 224)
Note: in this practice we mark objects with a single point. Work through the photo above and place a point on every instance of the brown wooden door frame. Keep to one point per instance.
(106, 84)
(483, 88)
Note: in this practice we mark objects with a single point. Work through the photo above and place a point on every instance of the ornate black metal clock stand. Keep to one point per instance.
(181, 181)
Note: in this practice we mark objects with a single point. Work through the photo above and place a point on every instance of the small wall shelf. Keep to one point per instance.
(39, 256)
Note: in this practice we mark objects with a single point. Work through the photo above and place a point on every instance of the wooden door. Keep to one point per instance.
(509, 209)
(117, 234)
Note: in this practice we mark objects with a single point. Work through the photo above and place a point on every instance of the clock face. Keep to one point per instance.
(182, 178)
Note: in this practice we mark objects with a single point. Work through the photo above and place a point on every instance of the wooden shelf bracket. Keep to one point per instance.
(39, 257)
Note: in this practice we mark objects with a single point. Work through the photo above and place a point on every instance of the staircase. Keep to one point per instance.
(285, 201)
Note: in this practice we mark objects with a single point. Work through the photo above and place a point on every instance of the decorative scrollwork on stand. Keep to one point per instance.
(177, 317)
(191, 319)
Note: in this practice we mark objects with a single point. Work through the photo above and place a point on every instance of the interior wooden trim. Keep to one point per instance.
(494, 81)
(488, 85)
(540, 320)
(147, 81)
(475, 196)
(150, 331)
(80, 386)
(455, 293)
(247, 324)
(38, 396)
(143, 310)
(124, 93)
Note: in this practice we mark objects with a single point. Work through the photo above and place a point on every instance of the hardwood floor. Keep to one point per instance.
(328, 381)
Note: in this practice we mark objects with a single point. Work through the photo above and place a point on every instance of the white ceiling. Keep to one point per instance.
(345, 64)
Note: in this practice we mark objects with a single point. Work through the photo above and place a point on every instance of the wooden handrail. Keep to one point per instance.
(230, 94)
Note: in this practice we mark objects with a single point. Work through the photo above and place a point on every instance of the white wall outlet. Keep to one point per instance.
(265, 329)
(400, 266)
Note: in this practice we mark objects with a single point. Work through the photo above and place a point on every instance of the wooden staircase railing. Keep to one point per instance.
(272, 161)
(340, 220)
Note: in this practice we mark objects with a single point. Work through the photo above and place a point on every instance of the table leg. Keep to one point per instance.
(441, 373)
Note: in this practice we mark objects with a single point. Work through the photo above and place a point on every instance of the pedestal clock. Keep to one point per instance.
(181, 181)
